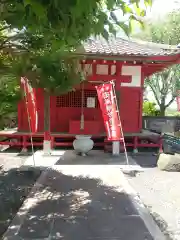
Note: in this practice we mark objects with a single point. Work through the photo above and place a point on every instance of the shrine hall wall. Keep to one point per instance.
(66, 109)
(130, 89)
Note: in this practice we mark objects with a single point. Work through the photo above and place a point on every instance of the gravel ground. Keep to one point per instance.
(14, 186)
(159, 191)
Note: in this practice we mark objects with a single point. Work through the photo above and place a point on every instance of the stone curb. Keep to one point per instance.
(142, 210)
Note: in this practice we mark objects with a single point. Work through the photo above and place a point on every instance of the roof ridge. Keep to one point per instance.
(154, 44)
(136, 41)
(126, 47)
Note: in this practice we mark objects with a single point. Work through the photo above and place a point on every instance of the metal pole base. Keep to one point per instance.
(135, 150)
(24, 150)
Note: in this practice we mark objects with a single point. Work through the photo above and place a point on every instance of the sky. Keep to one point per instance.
(162, 7)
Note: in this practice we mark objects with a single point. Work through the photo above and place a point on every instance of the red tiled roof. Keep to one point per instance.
(123, 47)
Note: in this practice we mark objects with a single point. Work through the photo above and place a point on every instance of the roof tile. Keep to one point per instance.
(120, 46)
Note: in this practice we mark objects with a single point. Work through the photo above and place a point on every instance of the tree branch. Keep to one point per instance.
(155, 94)
(172, 100)
(165, 81)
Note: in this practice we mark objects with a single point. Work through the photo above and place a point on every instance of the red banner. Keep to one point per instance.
(31, 104)
(110, 115)
(178, 100)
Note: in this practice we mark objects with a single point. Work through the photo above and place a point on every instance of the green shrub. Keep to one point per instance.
(9, 97)
(149, 109)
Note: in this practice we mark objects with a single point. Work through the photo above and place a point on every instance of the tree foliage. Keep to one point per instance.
(9, 97)
(165, 31)
(164, 87)
(38, 36)
(150, 109)
(52, 72)
(42, 28)
(68, 22)
(164, 84)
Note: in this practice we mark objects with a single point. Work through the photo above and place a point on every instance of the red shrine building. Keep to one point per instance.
(128, 63)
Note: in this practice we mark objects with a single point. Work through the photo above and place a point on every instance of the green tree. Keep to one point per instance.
(9, 92)
(150, 109)
(41, 34)
(9, 97)
(164, 84)
(64, 23)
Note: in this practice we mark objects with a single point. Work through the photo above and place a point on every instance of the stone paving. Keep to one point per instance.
(79, 202)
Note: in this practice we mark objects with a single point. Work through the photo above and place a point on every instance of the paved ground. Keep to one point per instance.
(79, 202)
(94, 157)
(159, 190)
(11, 159)
(14, 186)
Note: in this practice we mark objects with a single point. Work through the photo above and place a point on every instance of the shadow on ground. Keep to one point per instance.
(78, 207)
(146, 160)
(14, 188)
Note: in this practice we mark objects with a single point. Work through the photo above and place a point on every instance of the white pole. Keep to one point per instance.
(120, 125)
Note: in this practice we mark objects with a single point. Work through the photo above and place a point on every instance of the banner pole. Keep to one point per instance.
(120, 125)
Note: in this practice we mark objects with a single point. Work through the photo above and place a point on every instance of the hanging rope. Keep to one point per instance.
(85, 74)
(82, 107)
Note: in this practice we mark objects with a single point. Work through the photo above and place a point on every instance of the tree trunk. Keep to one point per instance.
(162, 110)
(47, 137)
(46, 111)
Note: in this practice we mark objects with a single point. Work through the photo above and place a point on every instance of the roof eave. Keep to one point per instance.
(155, 58)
